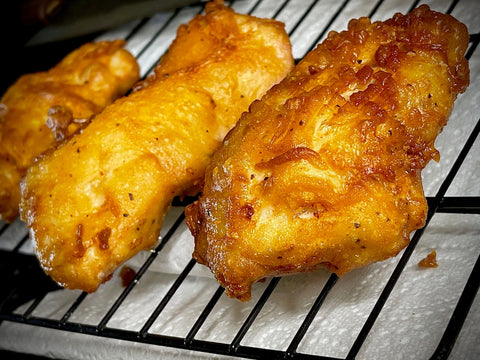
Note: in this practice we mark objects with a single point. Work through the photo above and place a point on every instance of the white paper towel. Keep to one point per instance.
(416, 312)
(414, 316)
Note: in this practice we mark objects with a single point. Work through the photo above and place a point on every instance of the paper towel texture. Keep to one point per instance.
(417, 311)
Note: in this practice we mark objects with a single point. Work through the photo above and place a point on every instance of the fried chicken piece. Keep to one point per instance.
(325, 170)
(101, 198)
(42, 108)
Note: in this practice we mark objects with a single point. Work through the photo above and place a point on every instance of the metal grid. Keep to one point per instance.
(24, 281)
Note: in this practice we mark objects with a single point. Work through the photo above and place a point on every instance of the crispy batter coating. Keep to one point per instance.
(326, 169)
(101, 198)
(42, 108)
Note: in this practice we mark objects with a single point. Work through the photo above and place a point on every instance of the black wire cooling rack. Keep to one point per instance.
(25, 287)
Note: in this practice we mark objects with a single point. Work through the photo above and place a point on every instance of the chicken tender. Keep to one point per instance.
(42, 108)
(325, 170)
(101, 198)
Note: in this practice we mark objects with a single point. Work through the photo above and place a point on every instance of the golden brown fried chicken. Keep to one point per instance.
(325, 169)
(101, 198)
(41, 108)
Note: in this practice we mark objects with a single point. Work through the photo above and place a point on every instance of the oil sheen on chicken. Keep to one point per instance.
(42, 108)
(325, 170)
(101, 198)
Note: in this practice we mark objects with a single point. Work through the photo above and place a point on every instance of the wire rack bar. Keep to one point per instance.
(455, 167)
(327, 27)
(302, 18)
(452, 6)
(375, 8)
(152, 39)
(20, 243)
(140, 272)
(459, 315)
(203, 316)
(33, 306)
(253, 314)
(474, 40)
(413, 243)
(292, 348)
(174, 15)
(3, 227)
(414, 5)
(72, 308)
(458, 204)
(386, 292)
(437, 204)
(173, 289)
(257, 4)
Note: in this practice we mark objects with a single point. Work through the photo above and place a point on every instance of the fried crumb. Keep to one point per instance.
(127, 274)
(429, 261)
